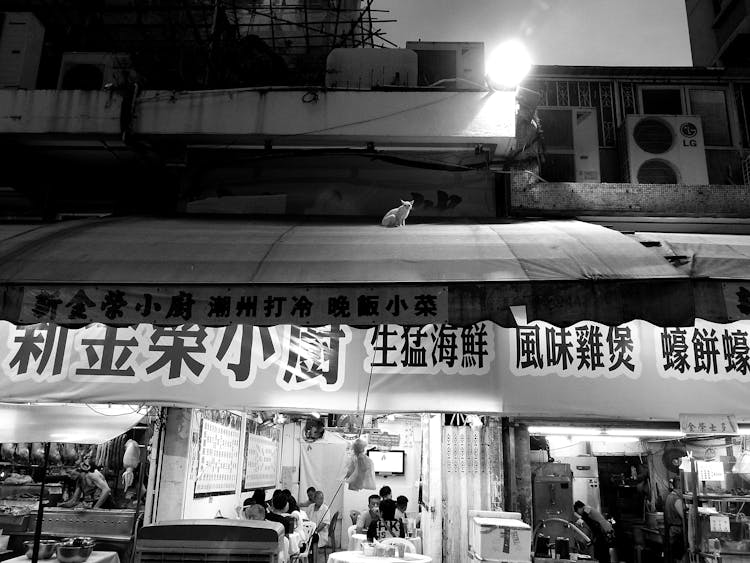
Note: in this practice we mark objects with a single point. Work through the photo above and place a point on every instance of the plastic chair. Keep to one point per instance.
(349, 533)
(408, 546)
(354, 514)
(331, 537)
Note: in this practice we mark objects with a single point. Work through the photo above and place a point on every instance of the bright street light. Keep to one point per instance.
(508, 65)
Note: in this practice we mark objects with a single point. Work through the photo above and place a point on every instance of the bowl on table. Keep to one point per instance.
(46, 548)
(75, 550)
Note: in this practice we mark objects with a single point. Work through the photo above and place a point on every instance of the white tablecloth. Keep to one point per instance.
(96, 557)
(359, 557)
(356, 541)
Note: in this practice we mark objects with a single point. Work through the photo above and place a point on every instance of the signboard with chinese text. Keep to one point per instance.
(262, 305)
(634, 371)
(708, 424)
(218, 461)
(261, 457)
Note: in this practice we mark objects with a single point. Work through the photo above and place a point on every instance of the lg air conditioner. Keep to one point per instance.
(665, 149)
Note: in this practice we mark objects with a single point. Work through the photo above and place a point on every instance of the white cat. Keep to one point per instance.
(396, 217)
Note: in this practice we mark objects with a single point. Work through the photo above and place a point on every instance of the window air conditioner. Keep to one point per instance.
(665, 149)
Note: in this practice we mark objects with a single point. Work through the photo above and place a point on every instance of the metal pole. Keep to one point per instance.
(40, 510)
(138, 495)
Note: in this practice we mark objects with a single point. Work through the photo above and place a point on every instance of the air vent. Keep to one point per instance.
(656, 171)
(653, 136)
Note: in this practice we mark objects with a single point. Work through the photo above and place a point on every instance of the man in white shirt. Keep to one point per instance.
(319, 514)
(365, 519)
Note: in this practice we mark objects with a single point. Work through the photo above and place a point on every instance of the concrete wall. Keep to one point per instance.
(336, 116)
(59, 111)
(528, 198)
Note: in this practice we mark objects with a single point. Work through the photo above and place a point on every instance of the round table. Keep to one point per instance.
(356, 541)
(359, 557)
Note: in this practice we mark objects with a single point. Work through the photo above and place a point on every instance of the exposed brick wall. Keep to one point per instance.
(530, 197)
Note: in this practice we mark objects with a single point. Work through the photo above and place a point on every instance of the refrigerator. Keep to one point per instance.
(585, 479)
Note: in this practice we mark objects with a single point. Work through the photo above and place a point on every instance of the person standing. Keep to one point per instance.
(674, 516)
(603, 534)
(91, 488)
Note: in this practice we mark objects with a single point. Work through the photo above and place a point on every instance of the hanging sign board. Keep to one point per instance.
(710, 470)
(262, 305)
(634, 371)
(692, 424)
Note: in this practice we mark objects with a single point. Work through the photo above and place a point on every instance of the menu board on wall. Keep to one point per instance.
(218, 460)
(261, 456)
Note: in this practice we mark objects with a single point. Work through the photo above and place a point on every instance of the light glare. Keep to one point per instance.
(508, 64)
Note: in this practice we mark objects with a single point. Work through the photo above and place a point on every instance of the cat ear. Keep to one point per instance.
(404, 202)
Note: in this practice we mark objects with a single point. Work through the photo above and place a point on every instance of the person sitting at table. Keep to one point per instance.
(293, 506)
(279, 510)
(255, 512)
(401, 503)
(385, 493)
(310, 498)
(386, 526)
(373, 513)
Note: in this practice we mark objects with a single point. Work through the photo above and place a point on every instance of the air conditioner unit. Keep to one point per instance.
(453, 65)
(664, 149)
(21, 41)
(92, 71)
(571, 138)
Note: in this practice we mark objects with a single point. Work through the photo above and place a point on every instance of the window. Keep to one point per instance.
(711, 105)
(664, 101)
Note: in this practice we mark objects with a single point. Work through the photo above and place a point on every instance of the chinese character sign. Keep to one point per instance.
(301, 306)
(260, 462)
(586, 349)
(218, 461)
(430, 349)
(707, 351)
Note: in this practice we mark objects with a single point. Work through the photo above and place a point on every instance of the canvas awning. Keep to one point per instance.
(561, 271)
(67, 423)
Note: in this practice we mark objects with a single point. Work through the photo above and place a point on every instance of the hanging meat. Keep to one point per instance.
(130, 460)
(54, 454)
(7, 451)
(22, 452)
(69, 454)
(37, 453)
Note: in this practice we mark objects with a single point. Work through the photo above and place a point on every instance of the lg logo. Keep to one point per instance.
(689, 130)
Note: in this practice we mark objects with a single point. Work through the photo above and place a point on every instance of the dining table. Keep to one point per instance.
(95, 557)
(360, 557)
(356, 541)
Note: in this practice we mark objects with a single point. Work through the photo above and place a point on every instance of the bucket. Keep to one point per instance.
(4, 542)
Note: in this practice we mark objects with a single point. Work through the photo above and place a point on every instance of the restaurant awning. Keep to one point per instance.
(69, 423)
(562, 271)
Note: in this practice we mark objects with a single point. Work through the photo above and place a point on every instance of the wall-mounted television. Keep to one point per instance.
(388, 462)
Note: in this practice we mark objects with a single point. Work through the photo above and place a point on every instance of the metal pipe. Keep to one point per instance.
(40, 510)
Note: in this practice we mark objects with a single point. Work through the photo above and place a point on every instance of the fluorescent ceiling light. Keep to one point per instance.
(645, 432)
(603, 432)
(563, 430)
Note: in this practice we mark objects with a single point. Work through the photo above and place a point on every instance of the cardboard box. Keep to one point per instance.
(499, 539)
